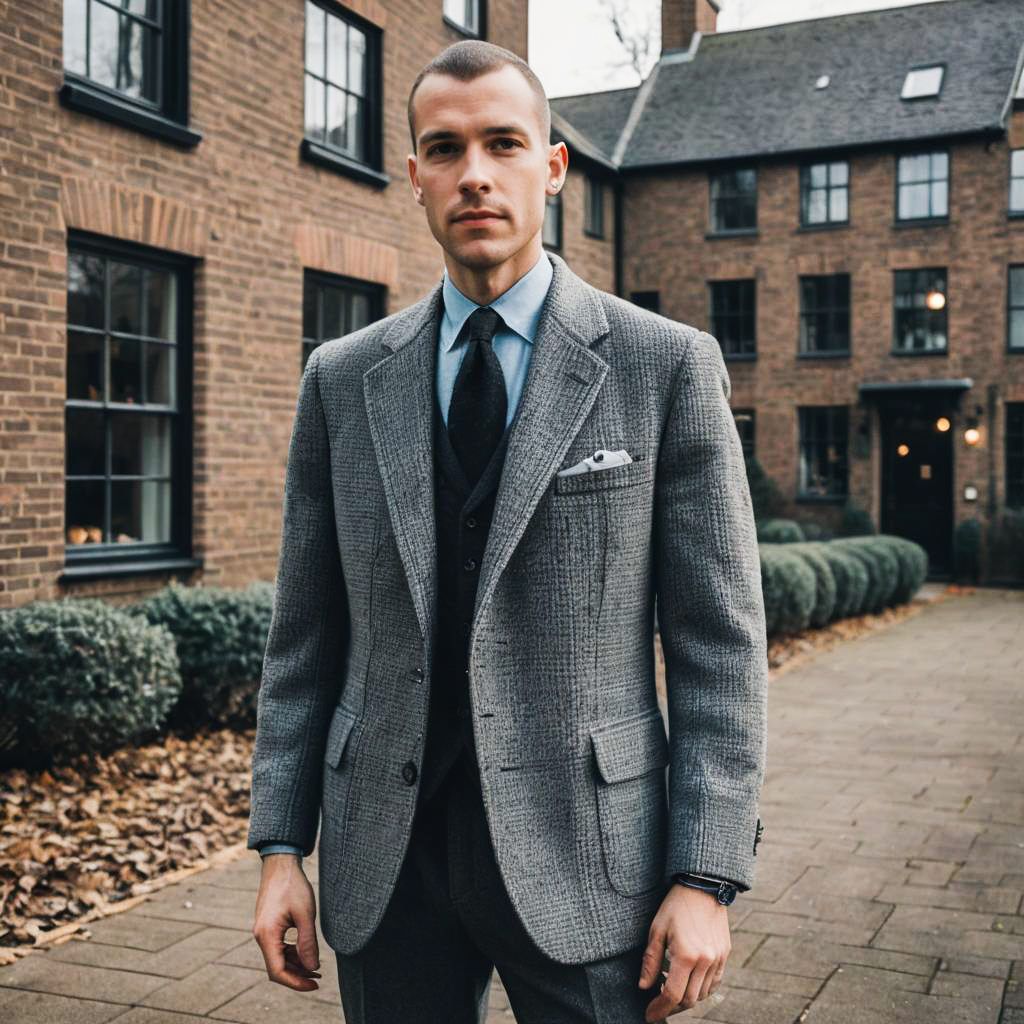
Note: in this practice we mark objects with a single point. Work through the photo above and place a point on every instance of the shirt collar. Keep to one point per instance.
(519, 306)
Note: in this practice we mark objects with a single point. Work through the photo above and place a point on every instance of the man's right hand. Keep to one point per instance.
(286, 900)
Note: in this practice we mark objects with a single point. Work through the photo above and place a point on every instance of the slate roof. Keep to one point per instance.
(752, 92)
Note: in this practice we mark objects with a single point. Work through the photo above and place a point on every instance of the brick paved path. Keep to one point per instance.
(889, 879)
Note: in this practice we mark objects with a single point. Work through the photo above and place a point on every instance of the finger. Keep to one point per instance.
(295, 964)
(713, 978)
(306, 942)
(693, 988)
(651, 963)
(282, 967)
(671, 990)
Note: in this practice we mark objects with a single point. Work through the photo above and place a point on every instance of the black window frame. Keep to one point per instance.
(593, 206)
(901, 275)
(650, 300)
(177, 554)
(1011, 210)
(806, 189)
(320, 279)
(554, 203)
(1012, 349)
(832, 309)
(1013, 463)
(480, 33)
(715, 178)
(931, 218)
(718, 290)
(748, 432)
(319, 151)
(166, 120)
(831, 425)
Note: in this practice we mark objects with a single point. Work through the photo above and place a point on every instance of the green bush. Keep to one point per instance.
(824, 581)
(81, 676)
(764, 494)
(855, 521)
(815, 531)
(1005, 542)
(882, 566)
(913, 566)
(789, 589)
(221, 637)
(778, 531)
(967, 550)
(851, 579)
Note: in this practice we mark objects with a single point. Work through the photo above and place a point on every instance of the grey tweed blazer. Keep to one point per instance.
(591, 806)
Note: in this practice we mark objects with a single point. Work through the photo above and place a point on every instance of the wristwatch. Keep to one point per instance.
(723, 891)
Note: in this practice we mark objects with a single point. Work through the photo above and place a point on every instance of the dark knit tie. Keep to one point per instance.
(479, 405)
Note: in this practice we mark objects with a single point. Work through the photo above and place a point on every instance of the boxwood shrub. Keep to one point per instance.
(789, 589)
(824, 581)
(779, 531)
(81, 675)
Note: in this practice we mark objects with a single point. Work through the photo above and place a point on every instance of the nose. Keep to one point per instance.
(474, 176)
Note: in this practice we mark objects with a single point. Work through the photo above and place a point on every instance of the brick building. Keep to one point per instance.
(839, 202)
(191, 202)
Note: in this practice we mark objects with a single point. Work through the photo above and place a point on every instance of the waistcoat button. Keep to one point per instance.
(471, 522)
(470, 564)
(409, 772)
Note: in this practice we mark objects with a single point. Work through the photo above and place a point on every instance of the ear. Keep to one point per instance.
(414, 178)
(558, 166)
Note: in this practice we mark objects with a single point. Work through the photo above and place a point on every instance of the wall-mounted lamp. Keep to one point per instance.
(972, 431)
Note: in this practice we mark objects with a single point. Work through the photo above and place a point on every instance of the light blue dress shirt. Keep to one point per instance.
(519, 308)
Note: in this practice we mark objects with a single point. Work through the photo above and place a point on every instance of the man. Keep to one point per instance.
(459, 674)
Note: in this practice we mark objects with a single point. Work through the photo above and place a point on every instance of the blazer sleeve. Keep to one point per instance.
(712, 624)
(307, 642)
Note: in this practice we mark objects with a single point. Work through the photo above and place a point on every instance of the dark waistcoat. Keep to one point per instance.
(463, 521)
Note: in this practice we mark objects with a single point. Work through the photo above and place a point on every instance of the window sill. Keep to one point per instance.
(1015, 351)
(593, 234)
(827, 226)
(1015, 214)
(922, 222)
(845, 354)
(919, 352)
(737, 233)
(461, 29)
(315, 153)
(739, 357)
(85, 98)
(821, 499)
(86, 570)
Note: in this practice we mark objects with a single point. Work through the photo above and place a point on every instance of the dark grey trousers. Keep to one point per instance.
(450, 923)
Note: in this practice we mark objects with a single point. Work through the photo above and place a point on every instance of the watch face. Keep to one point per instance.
(727, 893)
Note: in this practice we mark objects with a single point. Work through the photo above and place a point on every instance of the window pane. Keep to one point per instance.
(819, 175)
(817, 212)
(914, 168)
(161, 361)
(140, 511)
(309, 297)
(839, 173)
(1017, 163)
(84, 452)
(125, 297)
(837, 204)
(940, 165)
(334, 314)
(356, 61)
(1017, 194)
(140, 445)
(105, 25)
(314, 108)
(1017, 286)
(337, 47)
(85, 366)
(1017, 328)
(74, 36)
(336, 118)
(85, 290)
(125, 370)
(138, 55)
(83, 512)
(360, 311)
(161, 305)
(356, 132)
(315, 17)
(914, 201)
(940, 199)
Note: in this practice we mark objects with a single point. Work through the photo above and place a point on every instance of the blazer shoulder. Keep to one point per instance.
(632, 325)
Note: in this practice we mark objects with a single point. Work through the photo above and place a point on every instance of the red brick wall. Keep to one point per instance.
(592, 258)
(241, 202)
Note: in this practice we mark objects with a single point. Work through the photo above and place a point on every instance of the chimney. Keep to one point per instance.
(681, 18)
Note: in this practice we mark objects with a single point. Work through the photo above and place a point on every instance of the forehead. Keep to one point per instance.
(445, 103)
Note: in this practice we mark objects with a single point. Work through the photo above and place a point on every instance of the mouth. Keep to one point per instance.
(479, 220)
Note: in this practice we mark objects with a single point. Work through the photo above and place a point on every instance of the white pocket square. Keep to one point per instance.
(601, 459)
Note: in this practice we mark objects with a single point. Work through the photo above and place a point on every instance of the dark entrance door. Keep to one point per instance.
(917, 474)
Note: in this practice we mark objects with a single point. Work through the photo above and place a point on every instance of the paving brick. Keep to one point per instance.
(204, 990)
(43, 973)
(954, 897)
(19, 1006)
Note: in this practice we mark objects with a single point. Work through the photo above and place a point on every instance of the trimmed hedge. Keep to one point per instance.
(221, 637)
(81, 675)
(789, 589)
(779, 531)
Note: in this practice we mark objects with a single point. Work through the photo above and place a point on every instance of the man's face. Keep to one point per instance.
(479, 148)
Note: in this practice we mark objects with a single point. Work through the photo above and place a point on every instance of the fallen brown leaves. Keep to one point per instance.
(79, 841)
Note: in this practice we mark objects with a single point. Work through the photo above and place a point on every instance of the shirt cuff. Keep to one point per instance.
(280, 848)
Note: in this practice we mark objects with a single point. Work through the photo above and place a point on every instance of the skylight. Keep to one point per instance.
(922, 82)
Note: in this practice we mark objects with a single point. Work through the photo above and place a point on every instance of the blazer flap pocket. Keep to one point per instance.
(630, 747)
(337, 735)
(628, 474)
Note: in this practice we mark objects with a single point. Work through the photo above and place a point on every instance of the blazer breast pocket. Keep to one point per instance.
(631, 474)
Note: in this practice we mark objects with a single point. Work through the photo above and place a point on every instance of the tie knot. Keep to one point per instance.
(483, 322)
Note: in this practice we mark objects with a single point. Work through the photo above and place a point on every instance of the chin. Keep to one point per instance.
(482, 253)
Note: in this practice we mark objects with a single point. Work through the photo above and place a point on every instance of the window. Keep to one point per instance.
(922, 82)
(734, 200)
(1015, 310)
(128, 406)
(744, 419)
(128, 63)
(335, 306)
(825, 315)
(465, 15)
(733, 316)
(551, 234)
(823, 441)
(824, 193)
(593, 207)
(1015, 454)
(923, 186)
(647, 300)
(1017, 181)
(342, 94)
(920, 318)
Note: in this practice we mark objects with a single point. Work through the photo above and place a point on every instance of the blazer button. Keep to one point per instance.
(409, 772)
(470, 564)
(417, 674)
(471, 522)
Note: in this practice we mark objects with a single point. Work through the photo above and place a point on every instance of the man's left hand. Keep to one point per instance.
(692, 928)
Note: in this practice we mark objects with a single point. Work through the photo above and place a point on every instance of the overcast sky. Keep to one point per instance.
(572, 47)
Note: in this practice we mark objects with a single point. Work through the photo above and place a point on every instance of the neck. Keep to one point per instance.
(483, 285)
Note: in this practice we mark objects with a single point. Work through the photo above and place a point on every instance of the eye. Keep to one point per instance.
(434, 149)
(513, 141)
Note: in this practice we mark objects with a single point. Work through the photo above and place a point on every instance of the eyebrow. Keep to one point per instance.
(501, 129)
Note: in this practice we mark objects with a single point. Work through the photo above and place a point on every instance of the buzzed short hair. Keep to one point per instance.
(471, 58)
